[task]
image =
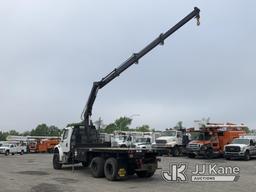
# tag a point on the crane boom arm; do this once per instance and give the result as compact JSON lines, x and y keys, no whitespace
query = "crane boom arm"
{"x":129,"y":62}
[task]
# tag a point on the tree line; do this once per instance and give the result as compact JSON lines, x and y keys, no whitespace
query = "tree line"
{"x":120,"y":124}
{"x":40,"y":130}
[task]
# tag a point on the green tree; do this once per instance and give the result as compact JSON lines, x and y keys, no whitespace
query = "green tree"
{"x":26,"y":133}
{"x":246,"y":129}
{"x":54,"y":131}
{"x":44,"y":130}
{"x":179,"y":125}
{"x":121,"y":124}
{"x":143,"y":128}
{"x":110,"y":128}
{"x":13,"y":132}
{"x":3,"y":135}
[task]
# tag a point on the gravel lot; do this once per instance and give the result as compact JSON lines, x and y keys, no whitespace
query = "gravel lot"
{"x":34,"y":173}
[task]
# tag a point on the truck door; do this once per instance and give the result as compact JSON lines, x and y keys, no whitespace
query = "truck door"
{"x":252,"y":147}
{"x":12,"y":148}
{"x":179,"y":138}
{"x":65,"y":140}
{"x":215,"y":142}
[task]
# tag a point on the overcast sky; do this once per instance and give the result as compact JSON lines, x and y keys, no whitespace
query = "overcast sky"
{"x":52,"y":51}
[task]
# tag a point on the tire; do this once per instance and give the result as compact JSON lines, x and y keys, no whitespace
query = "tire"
{"x":247,"y":156}
{"x":209,"y":153}
{"x":111,"y":169}
{"x":7,"y":153}
{"x":97,"y":167}
{"x":191,"y":155}
{"x":175,"y":152}
{"x":22,"y":152}
{"x":56,"y":161}
{"x":85,"y":164}
{"x":12,"y":153}
{"x":144,"y":174}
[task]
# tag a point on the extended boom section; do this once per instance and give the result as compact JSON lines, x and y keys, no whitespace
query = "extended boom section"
{"x":91,"y":133}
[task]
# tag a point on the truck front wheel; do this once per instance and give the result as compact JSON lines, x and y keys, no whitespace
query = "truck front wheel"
{"x":247,"y":156}
{"x":175,"y":152}
{"x":56,"y":161}
{"x":97,"y":167}
{"x":7,"y":153}
{"x":111,"y":169}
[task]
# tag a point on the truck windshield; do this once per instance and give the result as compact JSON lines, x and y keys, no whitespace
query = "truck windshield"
{"x":169,"y":133}
{"x":142,"y":140}
{"x":241,"y":141}
{"x":5,"y":145}
{"x":203,"y":136}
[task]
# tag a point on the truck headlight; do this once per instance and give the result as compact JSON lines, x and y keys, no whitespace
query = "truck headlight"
{"x":169,"y":144}
{"x":243,"y":149}
{"x":204,"y":147}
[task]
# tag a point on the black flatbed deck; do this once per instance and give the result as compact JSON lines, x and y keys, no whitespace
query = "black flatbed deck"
{"x":115,"y":150}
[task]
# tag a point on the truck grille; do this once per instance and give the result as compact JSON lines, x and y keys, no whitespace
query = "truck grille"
{"x":161,"y":141}
{"x":194,"y":146}
{"x":1,"y":150}
{"x":232,"y":149}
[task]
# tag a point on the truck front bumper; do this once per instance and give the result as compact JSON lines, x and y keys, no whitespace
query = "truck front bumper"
{"x":196,"y":152}
{"x":234,"y":154}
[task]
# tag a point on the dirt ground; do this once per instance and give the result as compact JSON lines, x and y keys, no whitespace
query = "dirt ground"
{"x":34,"y":173}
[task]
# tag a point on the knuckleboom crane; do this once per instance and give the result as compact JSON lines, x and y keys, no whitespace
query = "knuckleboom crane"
{"x":90,"y":131}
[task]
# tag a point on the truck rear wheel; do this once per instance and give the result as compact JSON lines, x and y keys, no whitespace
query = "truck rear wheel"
{"x":56,"y":161}
{"x":111,"y":169}
{"x":97,"y":167}
{"x":145,"y":174}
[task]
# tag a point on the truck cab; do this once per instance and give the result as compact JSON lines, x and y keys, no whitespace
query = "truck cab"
{"x":142,"y":142}
{"x":63,"y":148}
{"x":171,"y":141}
{"x":241,"y":148}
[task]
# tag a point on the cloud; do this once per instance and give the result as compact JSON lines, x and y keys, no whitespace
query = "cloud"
{"x":51,"y":52}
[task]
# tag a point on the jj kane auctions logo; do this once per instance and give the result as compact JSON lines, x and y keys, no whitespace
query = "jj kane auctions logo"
{"x":178,"y":172}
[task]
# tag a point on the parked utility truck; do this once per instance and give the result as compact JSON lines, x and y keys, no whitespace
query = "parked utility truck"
{"x":243,"y":147}
{"x":80,"y":142}
{"x":211,"y":139}
{"x":9,"y":148}
{"x":171,"y":142}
